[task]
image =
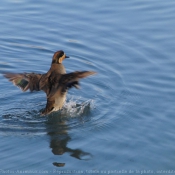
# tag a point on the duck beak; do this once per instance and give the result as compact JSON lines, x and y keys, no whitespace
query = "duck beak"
{"x":67,"y":56}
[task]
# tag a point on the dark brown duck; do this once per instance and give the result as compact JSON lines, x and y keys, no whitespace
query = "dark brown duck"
{"x":55,"y":83}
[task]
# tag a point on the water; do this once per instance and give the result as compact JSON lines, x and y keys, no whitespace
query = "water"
{"x":121,"y":119}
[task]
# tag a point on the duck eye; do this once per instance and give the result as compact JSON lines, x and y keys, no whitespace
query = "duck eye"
{"x":61,"y":55}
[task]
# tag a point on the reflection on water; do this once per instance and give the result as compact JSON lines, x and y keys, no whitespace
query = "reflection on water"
{"x":58,"y":130}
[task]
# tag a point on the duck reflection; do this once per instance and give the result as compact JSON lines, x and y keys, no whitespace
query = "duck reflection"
{"x":59,"y":138}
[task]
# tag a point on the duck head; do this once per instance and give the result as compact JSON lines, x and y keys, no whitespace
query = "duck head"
{"x":58,"y":57}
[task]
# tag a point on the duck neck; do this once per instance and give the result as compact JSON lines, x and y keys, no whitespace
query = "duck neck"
{"x":59,"y":68}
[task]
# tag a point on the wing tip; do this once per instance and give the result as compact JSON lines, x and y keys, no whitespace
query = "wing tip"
{"x":17,"y":80}
{"x":84,"y":74}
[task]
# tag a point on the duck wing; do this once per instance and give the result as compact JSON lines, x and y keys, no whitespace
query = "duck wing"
{"x":25,"y":81}
{"x":72,"y":79}
{"x":44,"y":83}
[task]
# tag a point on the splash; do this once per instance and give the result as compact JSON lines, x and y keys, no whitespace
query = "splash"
{"x":75,"y":107}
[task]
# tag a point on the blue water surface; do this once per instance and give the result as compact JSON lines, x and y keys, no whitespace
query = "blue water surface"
{"x":122,"y":120}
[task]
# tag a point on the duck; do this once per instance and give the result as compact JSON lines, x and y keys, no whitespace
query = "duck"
{"x":55,"y":83}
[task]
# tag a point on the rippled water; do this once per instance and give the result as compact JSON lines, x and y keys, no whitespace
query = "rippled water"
{"x":121,"y":118}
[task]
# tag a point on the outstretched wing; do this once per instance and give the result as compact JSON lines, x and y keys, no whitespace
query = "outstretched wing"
{"x":25,"y":81}
{"x":72,"y":79}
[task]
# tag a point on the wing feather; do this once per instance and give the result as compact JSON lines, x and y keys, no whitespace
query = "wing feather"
{"x":24,"y":81}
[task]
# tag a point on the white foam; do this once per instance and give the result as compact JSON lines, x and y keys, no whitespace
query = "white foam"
{"x":74,"y":107}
